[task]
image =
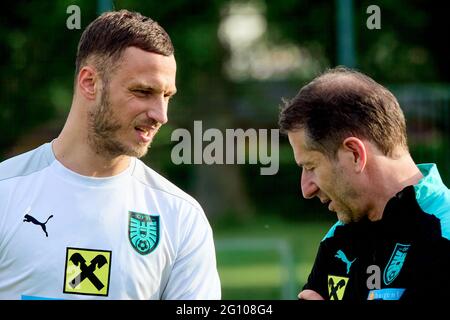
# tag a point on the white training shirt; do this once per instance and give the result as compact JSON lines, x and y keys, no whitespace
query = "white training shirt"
{"x":131,"y":236}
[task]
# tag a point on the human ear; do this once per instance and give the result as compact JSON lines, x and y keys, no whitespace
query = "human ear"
{"x":87,"y":82}
{"x":358,"y":152}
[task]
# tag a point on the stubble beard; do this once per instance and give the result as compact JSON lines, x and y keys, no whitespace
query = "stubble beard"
{"x":347,"y":195}
{"x":103,"y":132}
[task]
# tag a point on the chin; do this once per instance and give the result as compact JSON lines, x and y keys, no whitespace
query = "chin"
{"x":138,"y":152}
{"x":137,"y":149}
{"x":131,"y":150}
{"x":142,"y":149}
{"x":343,"y":217}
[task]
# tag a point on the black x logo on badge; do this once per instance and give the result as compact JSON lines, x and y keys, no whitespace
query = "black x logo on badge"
{"x":334,"y":289}
{"x":87,"y":271}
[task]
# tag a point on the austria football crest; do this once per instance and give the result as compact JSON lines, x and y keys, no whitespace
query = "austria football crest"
{"x":395,"y":264}
{"x":143,"y":232}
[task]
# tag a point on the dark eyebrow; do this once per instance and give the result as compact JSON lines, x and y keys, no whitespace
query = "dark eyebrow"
{"x":142,"y":87}
{"x":306,"y":163}
{"x":150,"y":88}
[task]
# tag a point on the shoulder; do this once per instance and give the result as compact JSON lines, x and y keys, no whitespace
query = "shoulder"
{"x":161,"y":185}
{"x":439,"y":206}
{"x":26,"y":163}
{"x":433,"y":197}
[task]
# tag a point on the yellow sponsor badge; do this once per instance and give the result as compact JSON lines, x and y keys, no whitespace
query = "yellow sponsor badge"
{"x":336,"y":287}
{"x":87,"y":271}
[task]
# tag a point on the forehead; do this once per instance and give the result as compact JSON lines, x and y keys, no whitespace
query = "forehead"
{"x":147,"y":68}
{"x":303,"y":155}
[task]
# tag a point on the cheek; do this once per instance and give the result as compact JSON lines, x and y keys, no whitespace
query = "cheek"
{"x":325,"y":178}
{"x":330,"y":183}
{"x":135,"y":108}
{"x":124,"y":102}
{"x":127,"y":110}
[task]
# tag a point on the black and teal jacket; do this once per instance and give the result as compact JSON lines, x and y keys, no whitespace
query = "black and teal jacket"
{"x":405,"y":255}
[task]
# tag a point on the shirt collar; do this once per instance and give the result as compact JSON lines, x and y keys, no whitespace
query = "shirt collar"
{"x":430,"y":185}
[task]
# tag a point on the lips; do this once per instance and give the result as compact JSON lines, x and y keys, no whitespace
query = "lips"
{"x":327,"y":202}
{"x":144,"y":130}
{"x":144,"y":133}
{"x":329,"y":206}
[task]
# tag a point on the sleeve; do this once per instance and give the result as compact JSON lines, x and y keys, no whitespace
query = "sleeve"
{"x":5,"y":195}
{"x":431,"y":277}
{"x":317,"y":279}
{"x":194,"y":274}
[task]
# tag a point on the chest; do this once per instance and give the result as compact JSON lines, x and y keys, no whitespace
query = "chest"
{"x":86,"y":243}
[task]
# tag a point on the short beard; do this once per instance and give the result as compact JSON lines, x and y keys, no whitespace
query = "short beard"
{"x":103,"y":127}
{"x":346,"y":192}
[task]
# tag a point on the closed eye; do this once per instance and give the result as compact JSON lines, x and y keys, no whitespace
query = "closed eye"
{"x":146,"y":92}
{"x":169,"y":95}
{"x":306,"y":168}
{"x":142,"y":92}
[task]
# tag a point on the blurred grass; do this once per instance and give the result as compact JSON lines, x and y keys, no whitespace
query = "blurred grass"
{"x":252,"y":275}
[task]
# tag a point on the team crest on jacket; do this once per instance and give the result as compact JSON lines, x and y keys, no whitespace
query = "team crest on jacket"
{"x":395,"y":264}
{"x":143,"y":232}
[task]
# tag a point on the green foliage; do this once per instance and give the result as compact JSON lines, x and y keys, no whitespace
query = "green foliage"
{"x":36,"y":73}
{"x":436,"y":152}
{"x":37,"y":64}
{"x":259,"y":274}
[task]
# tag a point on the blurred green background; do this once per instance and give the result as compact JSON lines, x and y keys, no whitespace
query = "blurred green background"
{"x":236,"y":60}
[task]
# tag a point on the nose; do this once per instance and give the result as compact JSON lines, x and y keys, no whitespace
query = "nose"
{"x":158,"y":110}
{"x":309,"y":188}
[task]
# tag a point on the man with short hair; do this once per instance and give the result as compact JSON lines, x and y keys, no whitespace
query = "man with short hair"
{"x":348,"y":135}
{"x":82,"y":217}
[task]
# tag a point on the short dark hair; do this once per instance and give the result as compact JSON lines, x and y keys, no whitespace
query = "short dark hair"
{"x":342,"y":102}
{"x":111,"y":33}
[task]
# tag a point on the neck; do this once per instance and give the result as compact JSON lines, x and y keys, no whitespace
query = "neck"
{"x":388,"y":178}
{"x":74,"y":151}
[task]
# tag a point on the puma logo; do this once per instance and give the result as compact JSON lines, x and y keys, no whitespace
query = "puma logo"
{"x":33,"y":220}
{"x":341,"y":255}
